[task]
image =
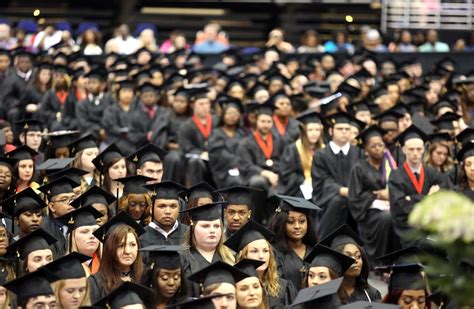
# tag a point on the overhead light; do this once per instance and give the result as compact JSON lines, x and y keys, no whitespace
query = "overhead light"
{"x":36,"y":12}
{"x":182,"y":11}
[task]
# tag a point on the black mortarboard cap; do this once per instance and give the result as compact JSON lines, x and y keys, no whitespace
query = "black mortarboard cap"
{"x":37,"y":240}
{"x":121,"y":218}
{"x":22,"y":153}
{"x":134,"y":184}
{"x":339,"y":117}
{"x":127,"y":294}
{"x":200,"y":190}
{"x":408,"y":255}
{"x":217,"y":272}
{"x":360,"y":125}
{"x":26,"y":200}
{"x":445,"y":122}
{"x":164,"y":257}
{"x":8,"y":162}
{"x":323,"y":256}
{"x":54,"y":165}
{"x":309,"y":116}
{"x":69,"y":266}
{"x":348,"y":89}
{"x":389,"y":115}
{"x":440,"y":104}
{"x":72,"y":173}
{"x":402,"y":108}
{"x":148,"y":87}
{"x":59,"y":186}
{"x":208,"y":212}
{"x":85,"y":142}
{"x":466,"y":136}
{"x":368,"y":305}
{"x":149,"y":152}
{"x":249,"y":267}
{"x":84,"y":216}
{"x":29,"y":125}
{"x":343,"y":235}
{"x":440,"y":137}
{"x":371,"y":131}
{"x":411,"y":133}
{"x":126,"y":84}
{"x":32,"y":285}
{"x":257,"y":87}
{"x":248,"y":233}
{"x":266,"y":108}
{"x":466,"y":151}
{"x":322,"y":296}
{"x":292,"y":203}
{"x":239,"y":195}
{"x":107,"y":156}
{"x":406,"y":277}
{"x":167,"y":190}
{"x":92,"y":196}
{"x":97,"y":73}
{"x":231,"y":102}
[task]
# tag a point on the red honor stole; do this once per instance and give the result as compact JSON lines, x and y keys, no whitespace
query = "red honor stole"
{"x":418,"y":184}
{"x":267,"y":148}
{"x":204,"y":129}
{"x":281,"y":126}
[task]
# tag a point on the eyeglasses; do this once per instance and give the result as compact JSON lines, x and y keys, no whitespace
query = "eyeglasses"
{"x":65,"y":200}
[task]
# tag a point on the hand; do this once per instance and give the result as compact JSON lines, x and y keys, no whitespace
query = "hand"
{"x":434,"y":189}
{"x":205,"y":155}
{"x":344,"y":191}
{"x":381,"y":194}
{"x":102,"y":135}
{"x":271,"y":177}
{"x":31,"y":108}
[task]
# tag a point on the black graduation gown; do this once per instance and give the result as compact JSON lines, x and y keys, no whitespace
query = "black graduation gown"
{"x":52,"y":226}
{"x":49,"y":107}
{"x":291,"y":174}
{"x":96,"y":287}
{"x":141,"y":123}
{"x":368,"y":293}
{"x":375,"y":226}
{"x":89,"y":115}
{"x":193,"y":261}
{"x":469,"y":193}
{"x":13,"y":89}
{"x":153,"y":237}
{"x":403,"y":196}
{"x":330,"y":172}
{"x":251,"y":157}
{"x":291,"y":266}
{"x":114,"y":120}
{"x":30,"y":96}
{"x":68,"y":112}
{"x":292,"y":131}
{"x":285,"y":298}
{"x":190,"y":138}
{"x":222,"y":158}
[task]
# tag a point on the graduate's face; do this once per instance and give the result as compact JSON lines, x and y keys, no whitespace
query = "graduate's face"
{"x":375,"y":147}
{"x":25,"y":170}
{"x":41,"y":302}
{"x":392,"y":131}
{"x":152,"y":170}
{"x":5,"y":177}
{"x":86,"y":242}
{"x":103,"y":210}
{"x":469,"y":168}
{"x":180,"y":104}
{"x":30,"y":221}
{"x":364,"y":116}
{"x":38,"y":258}
{"x":249,"y":293}
{"x":318,"y":275}
{"x":8,"y":135}
{"x":261,"y":96}
{"x":62,"y":153}
{"x":354,"y":133}
{"x":225,"y":302}
{"x":296,"y":225}
{"x":3,"y":295}
{"x":404,"y":122}
{"x":127,"y":250}
{"x":125,"y":95}
{"x":231,"y":116}
{"x":202,"y":107}
{"x":264,"y":124}
{"x":412,"y":299}
{"x":94,"y":86}
{"x":341,"y":133}
{"x":72,"y":293}
{"x":236,"y":216}
{"x":207,"y":234}
{"x":413,"y":150}
{"x":4,"y":242}
{"x":439,"y":155}
{"x":237,"y":92}
{"x":168,"y":282}
{"x":149,"y":98}
{"x":137,"y":205}
{"x":166,"y":212}
{"x":283,"y":107}
{"x":259,"y":250}
{"x":87,"y":156}
{"x":60,"y":204}
{"x":352,"y":251}
{"x":118,"y":170}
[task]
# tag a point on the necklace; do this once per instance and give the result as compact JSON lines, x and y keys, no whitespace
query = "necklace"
{"x":125,"y":274}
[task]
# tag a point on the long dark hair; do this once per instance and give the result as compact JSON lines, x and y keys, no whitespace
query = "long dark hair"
{"x":362,"y":279}
{"x":393,"y":297}
{"x":278,"y":226}
{"x":107,"y":181}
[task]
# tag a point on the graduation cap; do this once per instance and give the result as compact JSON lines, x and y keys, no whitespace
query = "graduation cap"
{"x":8,"y":162}
{"x":316,"y":91}
{"x":164,"y":257}
{"x":309,"y":116}
{"x":389,"y":115}
{"x":466,"y":136}
{"x":322,"y":296}
{"x":59,"y":186}
{"x":371,"y":131}
{"x":466,"y":151}
{"x":167,"y":190}
{"x":54,"y":165}
{"x":360,"y":125}
{"x":127,"y":294}
{"x":408,"y":255}
{"x":32,"y":285}
{"x":200,"y":190}
{"x":107,"y":156}
{"x":149,"y":152}
{"x":148,"y":87}
{"x":72,"y":173}
{"x":45,"y":66}
{"x":445,"y":122}
{"x":231,"y":102}
{"x":94,"y":195}
{"x":120,"y":219}
{"x":37,"y":240}
{"x":406,"y":277}
{"x":62,"y":69}
{"x":443,"y":103}
{"x":349,"y":88}
{"x":69,"y":266}
{"x":85,"y":142}
{"x":83,"y":216}
{"x":249,"y":267}
{"x":22,"y":153}
{"x":411,"y":133}
{"x":248,"y":233}
{"x":26,"y":200}
{"x":343,"y":235}
{"x":198,"y":92}
{"x":440,"y":137}
{"x":338,"y":118}
{"x":216,"y":273}
{"x":368,"y":305}
{"x":238,"y":195}
{"x":134,"y":184}
{"x":208,"y":212}
{"x":97,"y":73}
{"x":326,"y":257}
{"x":292,"y":203}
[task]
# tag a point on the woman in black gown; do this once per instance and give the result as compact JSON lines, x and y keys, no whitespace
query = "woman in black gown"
{"x":465,"y":181}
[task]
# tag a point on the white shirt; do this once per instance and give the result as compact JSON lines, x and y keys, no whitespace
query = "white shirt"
{"x":336,"y":149}
{"x":155,"y":226}
{"x":49,"y":40}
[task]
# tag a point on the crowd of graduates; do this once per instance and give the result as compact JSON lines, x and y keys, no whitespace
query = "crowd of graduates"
{"x":262,"y":180}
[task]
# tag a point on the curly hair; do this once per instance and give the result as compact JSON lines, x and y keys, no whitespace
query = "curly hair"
{"x":146,"y":217}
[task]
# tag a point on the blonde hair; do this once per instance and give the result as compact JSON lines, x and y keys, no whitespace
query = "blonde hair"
{"x":264,"y":304}
{"x":448,"y":163}
{"x":224,"y":252}
{"x":77,"y":163}
{"x":73,"y":248}
{"x":270,"y":278}
{"x":146,"y":217}
{"x":58,"y":285}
